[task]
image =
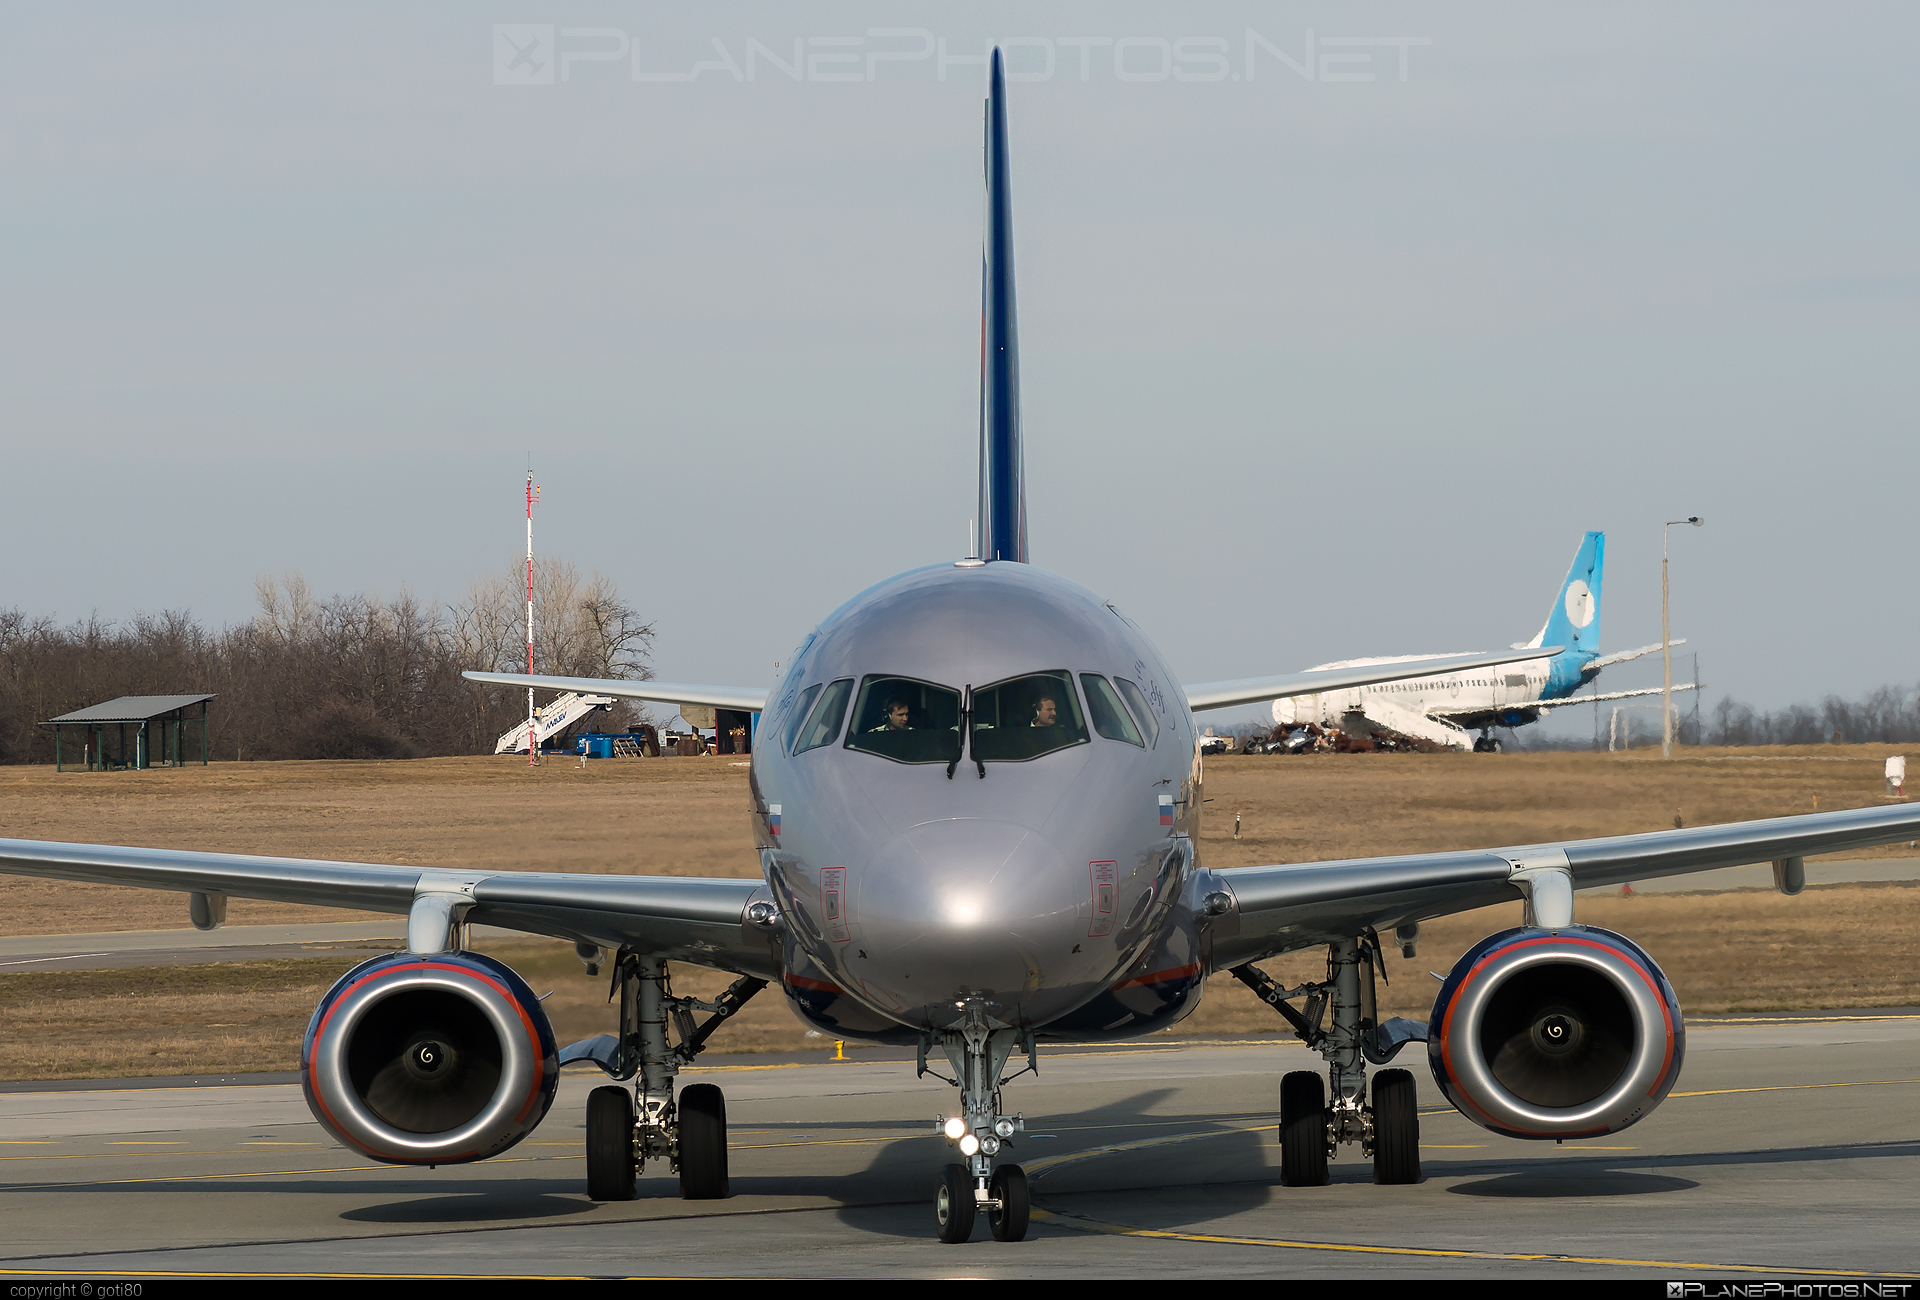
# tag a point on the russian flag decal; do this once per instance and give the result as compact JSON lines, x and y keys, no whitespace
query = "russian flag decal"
{"x":1166,"y":810}
{"x":773,"y":820}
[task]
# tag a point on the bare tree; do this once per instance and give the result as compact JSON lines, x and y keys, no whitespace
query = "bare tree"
{"x":348,"y":677}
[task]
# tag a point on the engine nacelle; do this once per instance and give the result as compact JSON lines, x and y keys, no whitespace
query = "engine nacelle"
{"x":434,"y":1059}
{"x":1556,"y":1033}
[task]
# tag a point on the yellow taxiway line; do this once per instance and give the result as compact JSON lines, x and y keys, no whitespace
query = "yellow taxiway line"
{"x":1355,"y":1248}
{"x":1039,"y":1168}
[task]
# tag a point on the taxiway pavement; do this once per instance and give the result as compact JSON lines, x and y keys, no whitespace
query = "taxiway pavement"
{"x":1790,"y":1148}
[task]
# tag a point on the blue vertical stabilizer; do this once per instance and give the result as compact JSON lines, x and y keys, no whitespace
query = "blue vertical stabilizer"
{"x":1003,"y":480}
{"x":1574,"y":620}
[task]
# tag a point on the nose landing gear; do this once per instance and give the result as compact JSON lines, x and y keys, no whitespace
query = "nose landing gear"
{"x":978,"y":1051}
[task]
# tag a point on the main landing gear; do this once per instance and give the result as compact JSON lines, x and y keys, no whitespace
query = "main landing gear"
{"x":1487,"y":742}
{"x":1312,"y":1125}
{"x":626,"y":1128}
{"x":978,"y":1051}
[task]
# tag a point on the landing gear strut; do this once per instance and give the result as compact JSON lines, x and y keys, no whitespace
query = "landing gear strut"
{"x":626,"y":1129}
{"x":978,"y":1051}
{"x":1315,"y":1118}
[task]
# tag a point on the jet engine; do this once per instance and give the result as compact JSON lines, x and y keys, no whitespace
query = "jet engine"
{"x":429,"y":1059}
{"x":1556,"y":1033}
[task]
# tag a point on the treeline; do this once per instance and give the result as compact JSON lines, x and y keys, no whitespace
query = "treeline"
{"x":344,"y":677}
{"x":1887,"y":715}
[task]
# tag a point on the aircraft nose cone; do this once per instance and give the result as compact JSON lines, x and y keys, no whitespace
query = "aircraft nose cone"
{"x":972,"y":908}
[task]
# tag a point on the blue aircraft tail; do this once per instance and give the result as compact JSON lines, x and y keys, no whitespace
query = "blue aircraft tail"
{"x":1574,"y":620}
{"x":1003,"y":479}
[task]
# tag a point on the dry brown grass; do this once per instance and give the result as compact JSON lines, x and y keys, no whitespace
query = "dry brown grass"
{"x":1308,"y":808}
{"x":246,"y":1017}
{"x":679,"y":817}
{"x":1843,"y":946}
{"x":688,"y":816}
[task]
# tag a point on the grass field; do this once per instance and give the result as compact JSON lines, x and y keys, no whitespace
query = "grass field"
{"x":1842,"y":946}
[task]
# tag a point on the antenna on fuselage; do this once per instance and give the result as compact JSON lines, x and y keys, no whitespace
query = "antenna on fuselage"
{"x":1003,"y":480}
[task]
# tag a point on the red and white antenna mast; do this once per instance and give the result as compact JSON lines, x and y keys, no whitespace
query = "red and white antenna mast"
{"x":533,"y":737}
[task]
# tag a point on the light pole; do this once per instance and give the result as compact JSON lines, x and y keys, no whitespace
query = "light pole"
{"x":1666,"y":645}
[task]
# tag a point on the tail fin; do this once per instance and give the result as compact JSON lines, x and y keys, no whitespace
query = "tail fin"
{"x":1574,"y":620}
{"x":1003,"y":478}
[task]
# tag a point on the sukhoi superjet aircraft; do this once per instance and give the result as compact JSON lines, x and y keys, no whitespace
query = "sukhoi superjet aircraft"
{"x":977,"y":798}
{"x":1445,"y":708}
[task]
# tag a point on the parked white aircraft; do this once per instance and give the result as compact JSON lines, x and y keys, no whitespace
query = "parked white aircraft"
{"x":1445,"y":708}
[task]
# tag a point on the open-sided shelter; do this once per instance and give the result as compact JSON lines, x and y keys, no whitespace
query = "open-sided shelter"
{"x":146,"y":714}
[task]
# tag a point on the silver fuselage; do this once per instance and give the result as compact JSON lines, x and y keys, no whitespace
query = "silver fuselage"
{"x":950,"y":888}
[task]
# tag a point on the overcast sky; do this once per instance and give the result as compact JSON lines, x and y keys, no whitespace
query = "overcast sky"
{"x":1325,"y":355}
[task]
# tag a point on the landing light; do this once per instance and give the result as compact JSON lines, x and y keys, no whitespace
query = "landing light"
{"x":954,"y":1127}
{"x":990,"y":1144}
{"x":969,"y":1144}
{"x":1003,"y":1126}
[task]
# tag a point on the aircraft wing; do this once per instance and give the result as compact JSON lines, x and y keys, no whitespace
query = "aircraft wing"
{"x":1622,"y":656}
{"x":743,"y":699}
{"x":1254,"y":690}
{"x":1562,"y":703}
{"x":682,"y":918}
{"x":1281,"y":908}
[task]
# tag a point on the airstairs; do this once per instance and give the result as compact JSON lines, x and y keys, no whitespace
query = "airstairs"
{"x":1387,"y":715}
{"x":551,"y":720}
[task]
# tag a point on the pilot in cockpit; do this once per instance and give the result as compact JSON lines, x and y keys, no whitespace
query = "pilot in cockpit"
{"x":1046,"y":713}
{"x":897,"y":714}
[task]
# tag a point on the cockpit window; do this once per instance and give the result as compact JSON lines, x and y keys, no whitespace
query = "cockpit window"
{"x":1026,"y":717}
{"x":1109,"y":715}
{"x":823,"y":724}
{"x":799,"y":715}
{"x":1142,"y":711}
{"x":907,"y":721}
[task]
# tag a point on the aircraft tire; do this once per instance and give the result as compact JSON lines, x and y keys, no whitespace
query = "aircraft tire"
{"x":1493,"y":746}
{"x":610,"y":1171}
{"x":703,"y":1143}
{"x":1396,"y":1128}
{"x":1303,"y":1130}
{"x":1009,"y":1218}
{"x":953,"y":1204}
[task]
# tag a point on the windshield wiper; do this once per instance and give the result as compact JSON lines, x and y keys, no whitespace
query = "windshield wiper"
{"x":966,"y":735}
